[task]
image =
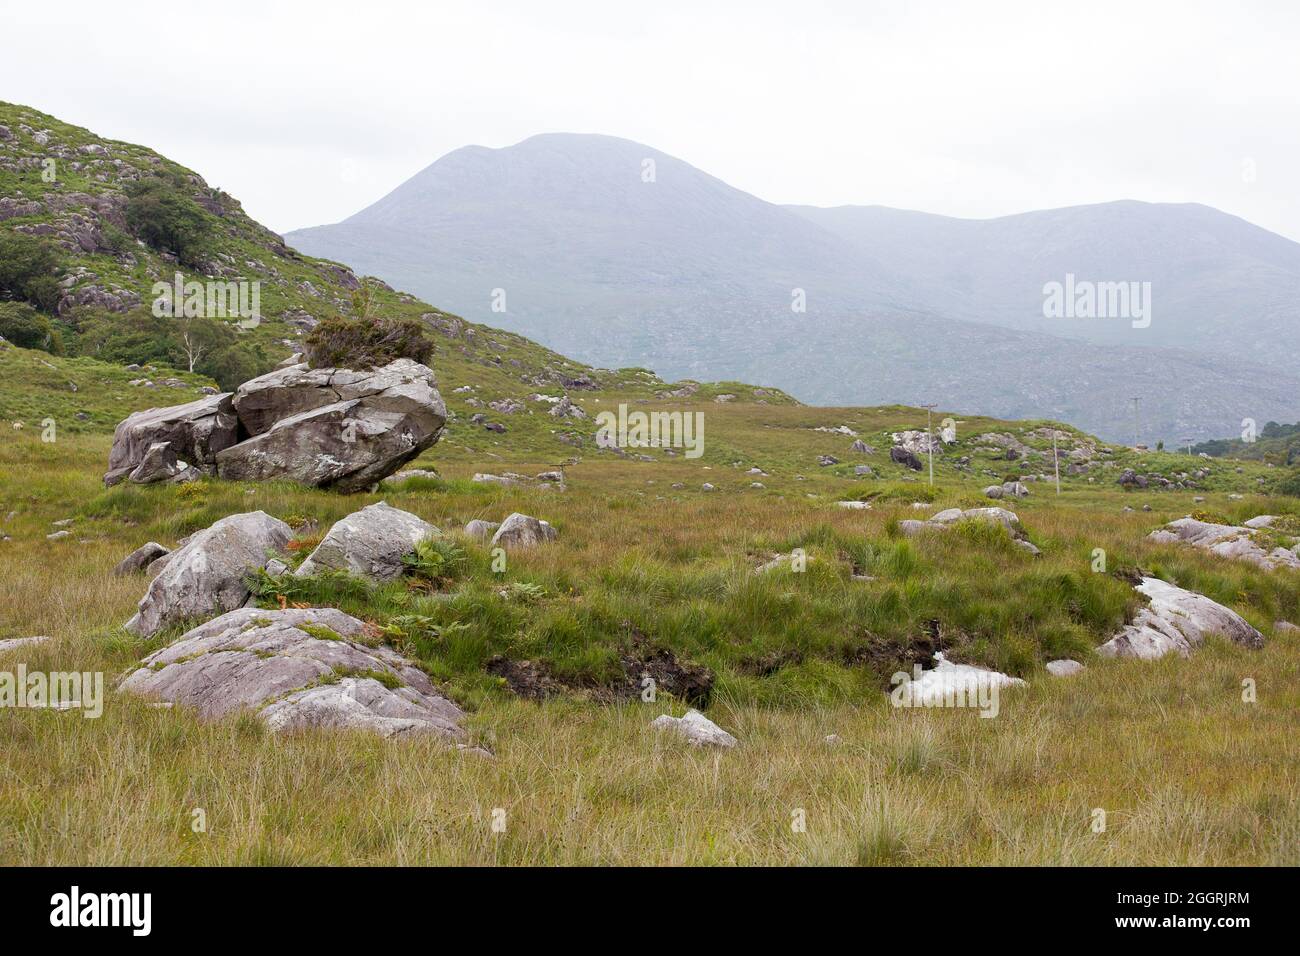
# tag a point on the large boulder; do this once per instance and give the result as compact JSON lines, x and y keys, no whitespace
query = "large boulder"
{"x":206,"y":575}
{"x":1242,"y":543}
{"x":902,"y":456}
{"x":1176,"y":621}
{"x":370,"y":542}
{"x":194,"y":433}
{"x":296,"y":669}
{"x":334,"y":428}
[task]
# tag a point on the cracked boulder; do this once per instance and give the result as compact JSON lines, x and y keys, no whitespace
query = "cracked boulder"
{"x":1175,"y":621}
{"x":194,"y":432}
{"x":334,"y":428}
{"x":206,"y":575}
{"x":371,"y":542}
{"x":296,"y":669}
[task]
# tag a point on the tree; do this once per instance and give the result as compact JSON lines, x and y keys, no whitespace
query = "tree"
{"x":25,"y":327}
{"x":159,"y":212}
{"x":29,"y":271}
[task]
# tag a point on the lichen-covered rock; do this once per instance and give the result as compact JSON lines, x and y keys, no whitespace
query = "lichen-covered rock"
{"x":195,"y":432}
{"x":296,"y":669}
{"x":371,"y":542}
{"x":1176,"y":621}
{"x":206,"y":575}
{"x":388,"y":417}
{"x":481,"y":530}
{"x":1064,"y":668}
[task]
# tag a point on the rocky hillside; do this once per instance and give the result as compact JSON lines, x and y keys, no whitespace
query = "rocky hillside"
{"x":68,"y":194}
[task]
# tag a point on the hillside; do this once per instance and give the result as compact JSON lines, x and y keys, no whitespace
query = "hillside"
{"x":781,"y":581}
{"x":690,"y":276}
{"x":105,"y":277}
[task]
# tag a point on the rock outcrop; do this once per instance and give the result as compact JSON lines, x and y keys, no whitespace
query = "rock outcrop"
{"x":296,"y":669}
{"x":1239,"y":542}
{"x":371,"y":542}
{"x":205,"y":576}
{"x":1176,"y":621}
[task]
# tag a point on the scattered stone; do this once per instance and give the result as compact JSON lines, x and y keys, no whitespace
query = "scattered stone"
{"x":58,"y":536}
{"x":948,"y":681}
{"x":205,"y":576}
{"x":522,"y":531}
{"x":902,"y":456}
{"x":855,"y":505}
{"x":1227,"y":541}
{"x":371,"y":542}
{"x":1176,"y":621}
{"x":402,"y":476}
{"x":696,"y":729}
{"x":827,"y":460}
{"x":1064,"y":668}
{"x":296,"y":669}
{"x":13,"y":643}
{"x":1285,"y":627}
{"x":481,"y":530}
{"x":140,"y":558}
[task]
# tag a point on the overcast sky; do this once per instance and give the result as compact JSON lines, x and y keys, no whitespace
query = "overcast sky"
{"x":309,"y":111}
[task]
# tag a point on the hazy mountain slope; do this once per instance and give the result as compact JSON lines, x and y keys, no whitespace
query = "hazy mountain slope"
{"x":1218,"y":283}
{"x":688,"y":275}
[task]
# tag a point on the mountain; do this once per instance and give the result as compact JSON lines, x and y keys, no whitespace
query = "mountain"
{"x":98,"y":278}
{"x":1218,"y":283}
{"x":681,"y":272}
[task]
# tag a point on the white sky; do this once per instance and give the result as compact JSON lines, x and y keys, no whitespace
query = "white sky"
{"x":309,"y":111}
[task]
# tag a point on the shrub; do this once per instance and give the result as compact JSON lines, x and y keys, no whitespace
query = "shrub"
{"x":351,"y":343}
{"x":1290,"y":485}
{"x":164,"y":216}
{"x":25,"y":327}
{"x":29,"y":271}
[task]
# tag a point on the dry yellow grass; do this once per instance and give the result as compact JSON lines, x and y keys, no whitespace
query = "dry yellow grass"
{"x":1185,"y":770}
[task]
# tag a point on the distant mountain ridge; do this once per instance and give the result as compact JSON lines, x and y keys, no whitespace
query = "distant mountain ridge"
{"x":566,"y":239}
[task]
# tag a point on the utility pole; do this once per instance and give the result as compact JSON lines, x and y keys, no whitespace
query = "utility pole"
{"x":1056,"y":462}
{"x":1135,"y":421}
{"x":1188,"y":443}
{"x":929,"y":437}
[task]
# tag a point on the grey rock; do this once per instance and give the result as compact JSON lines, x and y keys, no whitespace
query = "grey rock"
{"x":1064,"y":668}
{"x":902,"y":456}
{"x":206,"y":575}
{"x":696,"y":729}
{"x":390,"y":416}
{"x":158,"y":464}
{"x":994,"y":491}
{"x":196,"y":431}
{"x":1226,"y":541}
{"x":1176,"y":621}
{"x":522,"y":531}
{"x":481,"y":530}
{"x":371,"y":542}
{"x":265,"y":661}
{"x":140,"y":558}
{"x":14,"y":643}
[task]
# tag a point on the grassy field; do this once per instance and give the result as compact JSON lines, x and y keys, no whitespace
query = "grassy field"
{"x":1184,"y":769}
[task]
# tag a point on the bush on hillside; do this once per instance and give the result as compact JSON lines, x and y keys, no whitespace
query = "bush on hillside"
{"x":23,"y":326}
{"x":1290,"y":485}
{"x":159,"y":212}
{"x":29,"y":271}
{"x":353,"y":343}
